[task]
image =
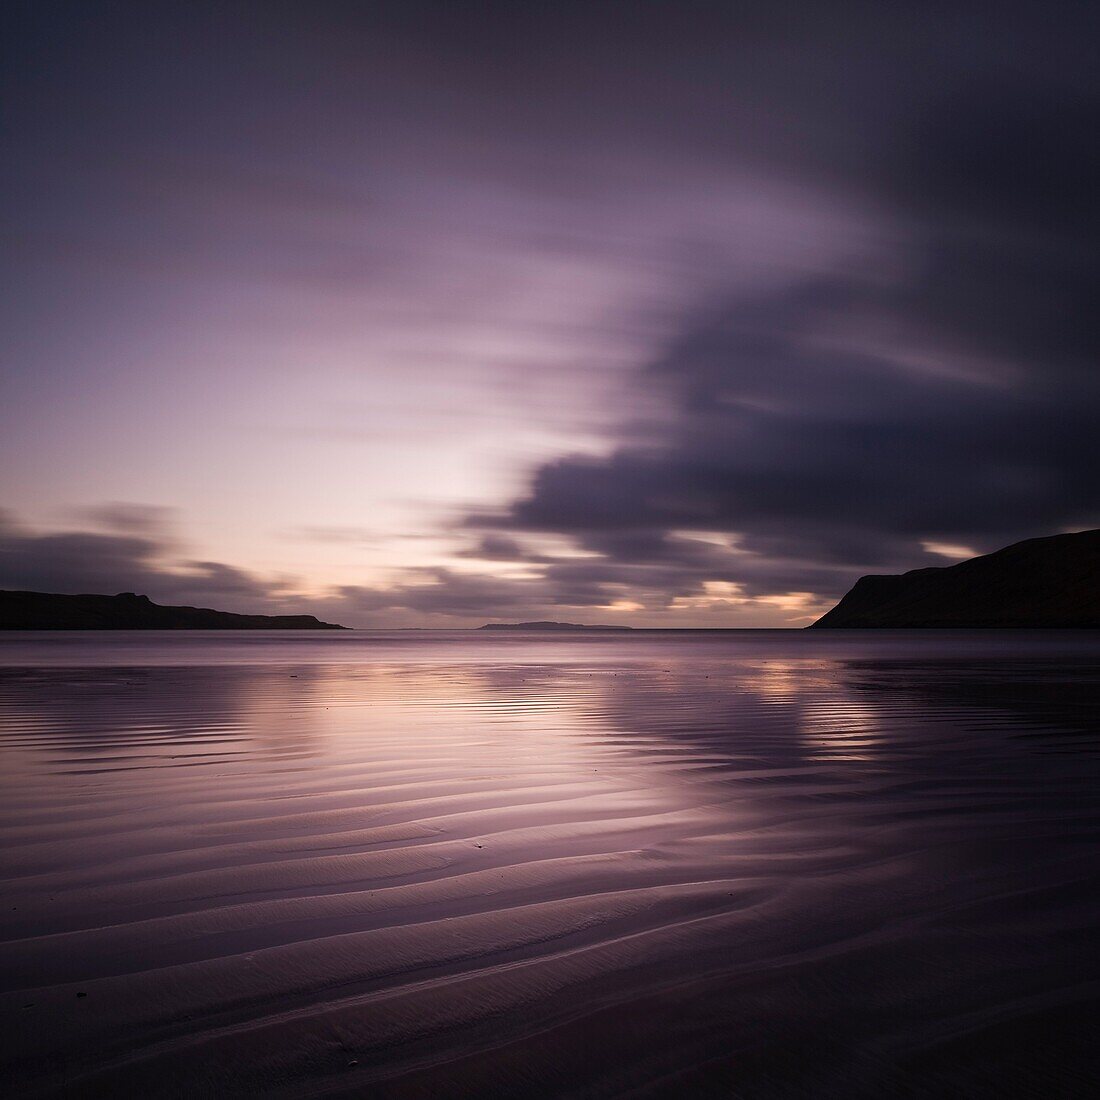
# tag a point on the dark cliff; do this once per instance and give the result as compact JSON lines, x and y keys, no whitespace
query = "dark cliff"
{"x":126,"y":611}
{"x":1046,"y":582}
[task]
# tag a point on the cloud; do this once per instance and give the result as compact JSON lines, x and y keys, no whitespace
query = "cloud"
{"x":76,"y":561}
{"x":149,"y":562}
{"x":860,"y":421}
{"x":140,"y":557}
{"x":760,"y":297}
{"x":152,"y":520}
{"x":495,"y":547}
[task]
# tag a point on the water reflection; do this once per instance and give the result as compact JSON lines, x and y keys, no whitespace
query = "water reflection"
{"x":729,"y":865}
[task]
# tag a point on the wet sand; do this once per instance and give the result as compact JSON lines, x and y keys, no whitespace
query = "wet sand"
{"x":759,"y":864}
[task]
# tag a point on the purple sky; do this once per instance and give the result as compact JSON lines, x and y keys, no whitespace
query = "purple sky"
{"x":428,"y":314}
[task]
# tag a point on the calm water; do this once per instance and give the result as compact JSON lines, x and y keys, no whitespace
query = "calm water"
{"x":757,"y":864}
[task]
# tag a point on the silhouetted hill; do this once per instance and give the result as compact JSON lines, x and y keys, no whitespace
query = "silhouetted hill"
{"x":1047,"y":582}
{"x":126,"y":611}
{"x":547,"y":625}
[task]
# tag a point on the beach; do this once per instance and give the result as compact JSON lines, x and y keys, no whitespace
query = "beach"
{"x":427,"y":863}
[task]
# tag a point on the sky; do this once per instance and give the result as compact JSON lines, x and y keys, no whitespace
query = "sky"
{"x":432,"y":314}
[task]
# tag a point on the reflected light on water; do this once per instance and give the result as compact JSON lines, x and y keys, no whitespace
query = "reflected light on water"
{"x":448,"y":865}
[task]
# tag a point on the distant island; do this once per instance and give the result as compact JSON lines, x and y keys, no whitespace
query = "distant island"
{"x":1045,"y":582}
{"x":547,"y":625}
{"x":127,"y":611}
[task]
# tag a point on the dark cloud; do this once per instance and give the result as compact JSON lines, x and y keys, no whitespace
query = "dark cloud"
{"x":444,"y":592}
{"x":495,"y":547}
{"x":836,"y":425}
{"x":149,"y":563}
{"x":71,"y":561}
{"x":91,"y":561}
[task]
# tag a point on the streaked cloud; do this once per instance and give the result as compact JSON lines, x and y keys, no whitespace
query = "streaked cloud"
{"x":687,"y":317}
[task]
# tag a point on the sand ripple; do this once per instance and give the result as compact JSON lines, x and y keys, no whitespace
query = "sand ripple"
{"x":640,"y":866}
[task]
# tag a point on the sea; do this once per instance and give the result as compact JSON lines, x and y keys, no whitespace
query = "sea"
{"x":749,"y":864}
